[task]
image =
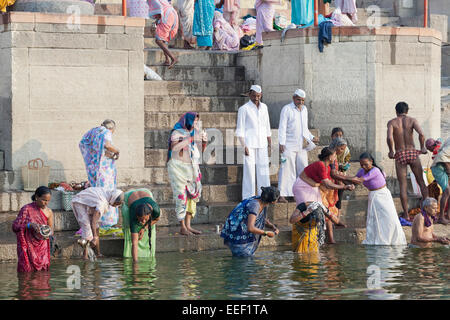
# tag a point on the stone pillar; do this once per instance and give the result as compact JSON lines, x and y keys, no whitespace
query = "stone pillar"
{"x":54,"y":6}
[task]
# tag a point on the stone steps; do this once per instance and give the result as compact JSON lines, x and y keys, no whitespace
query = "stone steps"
{"x":192,"y":57}
{"x":200,"y":104}
{"x":166,"y":120}
{"x":183,"y":73}
{"x":196,"y":88}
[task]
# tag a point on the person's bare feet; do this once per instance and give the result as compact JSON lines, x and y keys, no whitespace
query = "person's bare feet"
{"x":406,"y":217}
{"x":187,"y":45}
{"x":166,"y":63}
{"x":443,"y":221}
{"x":282,"y":200}
{"x":331,"y":242}
{"x":185,"y":232}
{"x":340,"y":225}
{"x":174,"y":61}
{"x":194,"y":231}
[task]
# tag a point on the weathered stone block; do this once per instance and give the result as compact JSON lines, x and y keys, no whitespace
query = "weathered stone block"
{"x":5,"y":202}
{"x":124,"y":42}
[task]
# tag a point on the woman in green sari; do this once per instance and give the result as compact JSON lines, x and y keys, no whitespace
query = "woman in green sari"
{"x":140,"y":214}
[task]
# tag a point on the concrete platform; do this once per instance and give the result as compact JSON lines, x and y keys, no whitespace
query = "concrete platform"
{"x":198,"y":103}
{"x":183,"y":73}
{"x":192,"y":57}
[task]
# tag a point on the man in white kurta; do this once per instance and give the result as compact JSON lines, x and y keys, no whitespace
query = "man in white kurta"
{"x":292,"y":131}
{"x":253,"y":131}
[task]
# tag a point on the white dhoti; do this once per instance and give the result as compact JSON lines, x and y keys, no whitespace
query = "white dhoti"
{"x":258,"y":159}
{"x":383,"y":226}
{"x":296,"y":161}
{"x":186,"y":13}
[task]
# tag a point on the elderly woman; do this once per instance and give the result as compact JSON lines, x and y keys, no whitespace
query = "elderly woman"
{"x":183,"y":167}
{"x":100,"y":157}
{"x":318,"y":174}
{"x":225,"y":37}
{"x":383,"y":226}
{"x":33,"y":226}
{"x":140,"y":214}
{"x":340,"y":166}
{"x":245,"y":225}
{"x":88,"y":207}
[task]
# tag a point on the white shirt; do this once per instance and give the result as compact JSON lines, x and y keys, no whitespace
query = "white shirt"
{"x":253,"y":125}
{"x":293,"y":127}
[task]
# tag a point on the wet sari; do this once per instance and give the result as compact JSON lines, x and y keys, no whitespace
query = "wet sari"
{"x":33,"y":253}
{"x":308,"y":234}
{"x":147,"y":245}
{"x":185,"y":177}
{"x":235,"y":232}
{"x":101,"y":170}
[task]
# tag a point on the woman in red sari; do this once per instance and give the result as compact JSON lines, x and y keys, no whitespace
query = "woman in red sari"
{"x":33,"y":249}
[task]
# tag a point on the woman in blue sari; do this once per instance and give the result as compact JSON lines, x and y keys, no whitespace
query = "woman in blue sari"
{"x":245,"y":224}
{"x":99,"y":157}
{"x":203,"y":22}
{"x":302,"y":12}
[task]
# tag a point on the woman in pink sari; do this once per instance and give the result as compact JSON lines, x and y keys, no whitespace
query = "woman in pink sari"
{"x":225,"y":37}
{"x":33,"y":248}
{"x":166,"y":26}
{"x":264,"y":17}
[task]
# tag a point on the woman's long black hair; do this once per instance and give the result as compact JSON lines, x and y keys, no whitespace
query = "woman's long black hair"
{"x":142,"y":210}
{"x":367,"y":155}
{"x":42,"y":190}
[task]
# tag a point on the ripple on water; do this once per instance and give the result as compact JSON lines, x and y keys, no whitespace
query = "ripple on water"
{"x":337,"y":272}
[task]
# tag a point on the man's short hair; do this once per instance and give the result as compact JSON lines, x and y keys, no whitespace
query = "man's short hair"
{"x":428,"y":202}
{"x":109,"y":124}
{"x":401,"y":107}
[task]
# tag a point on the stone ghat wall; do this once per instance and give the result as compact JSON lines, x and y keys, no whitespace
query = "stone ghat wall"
{"x":59,"y":78}
{"x":356,"y":82}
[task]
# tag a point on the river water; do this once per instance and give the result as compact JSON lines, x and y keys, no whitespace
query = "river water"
{"x":338,"y":272}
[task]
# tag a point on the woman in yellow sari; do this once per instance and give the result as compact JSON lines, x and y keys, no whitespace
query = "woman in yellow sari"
{"x":5,"y":3}
{"x":308,"y":227}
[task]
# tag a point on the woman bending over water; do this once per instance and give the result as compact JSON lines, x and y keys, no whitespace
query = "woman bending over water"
{"x":245,"y":224}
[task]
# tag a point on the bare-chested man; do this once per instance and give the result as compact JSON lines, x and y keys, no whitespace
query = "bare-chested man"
{"x":422,"y":228}
{"x":400,"y":132}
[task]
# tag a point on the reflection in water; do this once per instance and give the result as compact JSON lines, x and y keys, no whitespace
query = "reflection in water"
{"x":33,"y":285}
{"x":337,"y":272}
{"x":384,"y":263}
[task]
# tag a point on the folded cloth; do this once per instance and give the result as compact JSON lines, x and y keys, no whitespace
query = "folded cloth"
{"x":404,"y":222}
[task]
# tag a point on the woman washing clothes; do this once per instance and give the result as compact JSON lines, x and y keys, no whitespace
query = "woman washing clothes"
{"x":88,"y":207}
{"x":140,"y":214}
{"x":33,"y":226}
{"x":315,"y":184}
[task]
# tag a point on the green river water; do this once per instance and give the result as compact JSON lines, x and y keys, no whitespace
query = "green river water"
{"x":338,"y":272}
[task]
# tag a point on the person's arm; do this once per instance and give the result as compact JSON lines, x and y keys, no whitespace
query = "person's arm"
{"x":50,"y":220}
{"x":269,"y":133}
{"x":308,"y":180}
{"x":273,"y":226}
{"x":418,"y":128}
{"x":310,"y":136}
{"x":330,"y":185}
{"x":240,"y":129}
{"x":297,"y":215}
{"x":251,"y":227}
{"x":134,"y":245}
{"x":390,"y":140}
{"x":282,"y":126}
{"x":111,"y":148}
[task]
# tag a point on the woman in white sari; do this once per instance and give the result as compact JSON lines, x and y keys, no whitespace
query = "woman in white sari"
{"x":383,"y":226}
